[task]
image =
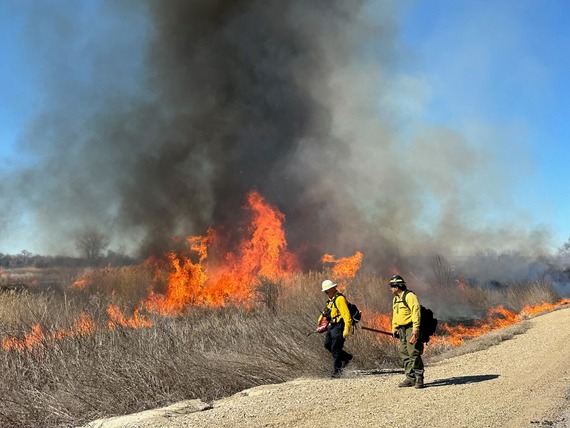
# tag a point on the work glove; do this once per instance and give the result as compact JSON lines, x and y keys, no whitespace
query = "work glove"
{"x":396,"y":334}
{"x":346,"y":333}
{"x":415,"y":336}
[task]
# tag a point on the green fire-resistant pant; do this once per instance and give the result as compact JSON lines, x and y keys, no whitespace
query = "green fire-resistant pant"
{"x":411,"y":354}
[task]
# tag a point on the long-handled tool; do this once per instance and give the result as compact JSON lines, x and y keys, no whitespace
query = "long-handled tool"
{"x":375,"y":330}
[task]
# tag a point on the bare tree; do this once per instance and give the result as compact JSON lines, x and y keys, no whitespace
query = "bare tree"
{"x":442,"y":271}
{"x":269,"y":291}
{"x":91,"y":244}
{"x":564,"y":255}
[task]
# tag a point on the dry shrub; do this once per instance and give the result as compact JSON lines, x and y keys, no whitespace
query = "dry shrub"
{"x":128,"y":284}
{"x":269,"y":291}
{"x":475,"y":297}
{"x":22,"y":310}
{"x":37,"y":280}
{"x":519,"y":295}
{"x":204,"y":354}
{"x":370,"y":292}
{"x":13,"y":305}
{"x":443,"y":275}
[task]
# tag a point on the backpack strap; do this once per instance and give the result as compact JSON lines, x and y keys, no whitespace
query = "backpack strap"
{"x":407,"y":306}
{"x":335,"y":297}
{"x":404,"y":298}
{"x":334,"y":303}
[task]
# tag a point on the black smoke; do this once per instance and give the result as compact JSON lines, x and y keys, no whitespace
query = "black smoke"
{"x":235,"y":80}
{"x":158,"y":117}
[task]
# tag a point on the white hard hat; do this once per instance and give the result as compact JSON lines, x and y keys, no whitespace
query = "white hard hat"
{"x":328,"y":284}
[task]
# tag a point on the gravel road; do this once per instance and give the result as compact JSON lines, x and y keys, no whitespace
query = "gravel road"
{"x":521,"y":382}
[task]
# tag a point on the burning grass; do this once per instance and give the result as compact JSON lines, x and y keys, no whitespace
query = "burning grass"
{"x":67,"y":359}
{"x":55,"y":379}
{"x":208,"y":322}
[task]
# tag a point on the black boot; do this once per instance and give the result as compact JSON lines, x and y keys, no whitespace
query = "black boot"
{"x":336,"y":373}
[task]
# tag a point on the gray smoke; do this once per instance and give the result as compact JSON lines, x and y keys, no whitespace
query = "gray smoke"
{"x":177,"y":109}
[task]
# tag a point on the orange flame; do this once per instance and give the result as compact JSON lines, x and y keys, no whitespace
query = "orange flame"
{"x":380,"y":322}
{"x":213,"y":282}
{"x":542,"y":307}
{"x":345,"y":267}
{"x":266,"y":254}
{"x":455,"y":335}
{"x":185,"y":282}
{"x":37,"y":338}
{"x":496,"y":318}
{"x":117,"y":318}
{"x":80,"y":284}
{"x":31,"y":339}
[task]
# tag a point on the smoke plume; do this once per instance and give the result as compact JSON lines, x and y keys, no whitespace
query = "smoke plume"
{"x":176,"y":109}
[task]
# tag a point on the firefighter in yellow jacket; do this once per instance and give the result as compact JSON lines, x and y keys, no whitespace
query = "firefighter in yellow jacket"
{"x":338,"y":316}
{"x":406,"y":326}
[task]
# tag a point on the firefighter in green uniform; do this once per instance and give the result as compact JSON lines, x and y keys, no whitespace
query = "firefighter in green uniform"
{"x":406,"y":327}
{"x":340,"y":324}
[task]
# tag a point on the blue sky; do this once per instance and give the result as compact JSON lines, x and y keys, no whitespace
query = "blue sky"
{"x":494,"y":72}
{"x":503,"y":66}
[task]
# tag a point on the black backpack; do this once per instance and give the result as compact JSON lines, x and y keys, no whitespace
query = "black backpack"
{"x":428,"y":323}
{"x":355,"y":313}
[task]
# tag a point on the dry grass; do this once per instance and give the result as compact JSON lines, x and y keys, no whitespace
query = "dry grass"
{"x":204,"y":353}
{"x":519,"y":295}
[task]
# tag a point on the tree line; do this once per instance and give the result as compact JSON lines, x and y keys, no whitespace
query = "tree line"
{"x":92,"y":251}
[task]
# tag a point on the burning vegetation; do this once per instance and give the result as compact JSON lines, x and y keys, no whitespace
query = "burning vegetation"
{"x":234,"y":306}
{"x":236,"y":95}
{"x":208,"y":274}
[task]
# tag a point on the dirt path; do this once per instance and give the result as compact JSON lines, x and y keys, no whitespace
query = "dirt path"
{"x":521,"y":382}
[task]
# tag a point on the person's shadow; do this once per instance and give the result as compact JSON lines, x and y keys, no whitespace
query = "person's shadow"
{"x":461,"y":380}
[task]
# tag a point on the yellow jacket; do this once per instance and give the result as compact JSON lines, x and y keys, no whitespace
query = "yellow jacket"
{"x":339,"y":311}
{"x":404,"y":315}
